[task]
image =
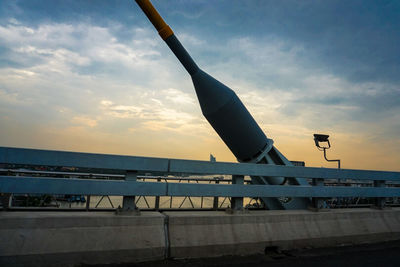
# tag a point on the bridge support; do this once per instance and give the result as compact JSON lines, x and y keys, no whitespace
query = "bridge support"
{"x":237,"y":202}
{"x":157,"y":200}
{"x":216,"y":200}
{"x":128,"y":202}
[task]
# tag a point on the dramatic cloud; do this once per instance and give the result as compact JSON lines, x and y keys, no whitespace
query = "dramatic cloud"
{"x":96,"y":77}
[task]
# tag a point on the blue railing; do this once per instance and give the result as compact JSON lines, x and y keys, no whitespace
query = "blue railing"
{"x":385,"y":184}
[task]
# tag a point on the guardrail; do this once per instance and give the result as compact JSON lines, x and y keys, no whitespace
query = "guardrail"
{"x":131,"y":167}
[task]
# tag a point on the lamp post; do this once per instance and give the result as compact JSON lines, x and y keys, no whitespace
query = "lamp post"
{"x":324,"y":138}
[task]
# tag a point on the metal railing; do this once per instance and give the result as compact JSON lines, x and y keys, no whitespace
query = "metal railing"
{"x":72,"y":173}
{"x":107,"y":202}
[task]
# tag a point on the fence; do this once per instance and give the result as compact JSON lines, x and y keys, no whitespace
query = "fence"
{"x":116,"y":175}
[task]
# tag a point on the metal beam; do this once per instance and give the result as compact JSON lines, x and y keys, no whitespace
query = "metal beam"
{"x":177,"y":166}
{"x":278,"y":191}
{"x":34,"y":185}
{"x":56,"y":186}
{"x":204,"y":167}
{"x":25,"y":156}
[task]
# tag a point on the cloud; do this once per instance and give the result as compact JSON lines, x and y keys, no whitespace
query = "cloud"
{"x":76,"y":44}
{"x":178,"y":97}
{"x":80,"y":120}
{"x":170,"y":110}
{"x":101,"y":76}
{"x":53,"y":64}
{"x":190,"y":39}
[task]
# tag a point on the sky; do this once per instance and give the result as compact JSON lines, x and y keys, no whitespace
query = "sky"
{"x":94,"y":76}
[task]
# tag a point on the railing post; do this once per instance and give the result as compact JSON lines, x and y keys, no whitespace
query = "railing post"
{"x":157,"y":202}
{"x":128,"y":202}
{"x":237,"y":202}
{"x":380,"y":201}
{"x":87,"y":202}
{"x":215,"y":202}
{"x":317,"y":202}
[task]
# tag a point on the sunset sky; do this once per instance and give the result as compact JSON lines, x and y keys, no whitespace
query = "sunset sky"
{"x":94,"y":76}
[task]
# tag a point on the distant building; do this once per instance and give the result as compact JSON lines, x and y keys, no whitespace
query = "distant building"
{"x":212,"y":158}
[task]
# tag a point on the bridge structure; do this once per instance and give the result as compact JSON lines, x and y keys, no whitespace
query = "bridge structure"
{"x":128,"y":234}
{"x":126,"y":176}
{"x":292,"y":215}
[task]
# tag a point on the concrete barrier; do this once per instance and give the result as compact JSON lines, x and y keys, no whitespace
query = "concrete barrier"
{"x":207,"y":234}
{"x":70,"y":238}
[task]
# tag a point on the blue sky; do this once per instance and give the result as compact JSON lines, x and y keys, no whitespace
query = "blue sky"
{"x":94,"y":76}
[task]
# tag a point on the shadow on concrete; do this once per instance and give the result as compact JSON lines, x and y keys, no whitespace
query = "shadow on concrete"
{"x":381,"y":254}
